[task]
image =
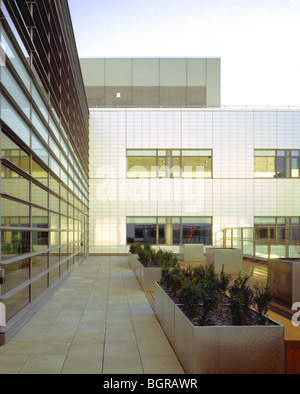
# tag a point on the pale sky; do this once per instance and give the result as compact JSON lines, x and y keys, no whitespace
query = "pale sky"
{"x":257,"y":40}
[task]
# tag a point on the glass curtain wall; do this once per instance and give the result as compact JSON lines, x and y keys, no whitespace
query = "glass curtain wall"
{"x":169,"y":230}
{"x":276,"y":163}
{"x":44,"y":189}
{"x":169,"y":163}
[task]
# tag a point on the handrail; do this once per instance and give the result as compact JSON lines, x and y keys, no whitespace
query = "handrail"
{"x":265,"y":241}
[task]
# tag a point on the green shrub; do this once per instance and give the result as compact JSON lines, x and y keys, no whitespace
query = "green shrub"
{"x":241,"y":299}
{"x":208,"y":294}
{"x":189,"y":295}
{"x":145,"y":254}
{"x":223,"y":282}
{"x":134,"y":248}
{"x":168,"y":264}
{"x":263,"y":296}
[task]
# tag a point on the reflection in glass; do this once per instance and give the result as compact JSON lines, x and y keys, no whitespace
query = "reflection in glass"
{"x":13,"y":153}
{"x":196,"y":234}
{"x":38,"y":286}
{"x":39,"y":173}
{"x":14,"y":244}
{"x":15,"y":274}
{"x":16,"y":302}
{"x":141,"y":233}
{"x":14,"y":214}
{"x":14,"y":121}
{"x":53,"y":275}
{"x":40,"y":240}
{"x":39,"y":263}
{"x":39,"y":218}
{"x":39,"y":196}
{"x":54,"y":257}
{"x":14,"y":184}
{"x":295,"y":167}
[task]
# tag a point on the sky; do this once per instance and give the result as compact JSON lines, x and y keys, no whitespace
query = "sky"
{"x":257,"y":40}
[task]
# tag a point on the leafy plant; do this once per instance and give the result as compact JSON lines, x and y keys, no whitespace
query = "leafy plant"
{"x":176,"y":279}
{"x":145,"y":254}
{"x":169,"y":262}
{"x":134,"y":248}
{"x":223,"y":282}
{"x":241,"y":299}
{"x":189,"y":295}
{"x":208,"y":294}
{"x":199,"y":273}
{"x":160,"y":256}
{"x":262,"y":298}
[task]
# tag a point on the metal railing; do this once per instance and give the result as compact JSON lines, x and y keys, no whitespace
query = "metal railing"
{"x":264,"y":242}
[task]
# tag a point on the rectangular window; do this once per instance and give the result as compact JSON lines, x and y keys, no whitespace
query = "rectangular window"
{"x":141,"y":164}
{"x":16,"y":274}
{"x":14,"y":121}
{"x":276,"y":230}
{"x":14,"y":244}
{"x":276,"y":164}
{"x":196,"y":231}
{"x":14,"y":214}
{"x":169,"y":231}
{"x":14,"y":184}
{"x":169,"y":163}
{"x":12,"y":152}
{"x":196,"y":164}
{"x":15,"y":91}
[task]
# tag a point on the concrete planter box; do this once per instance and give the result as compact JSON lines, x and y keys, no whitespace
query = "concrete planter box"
{"x":221,"y":349}
{"x":193,"y":252}
{"x":286,"y":275}
{"x":147,"y":276}
{"x":232,"y":259}
{"x":132,"y":259}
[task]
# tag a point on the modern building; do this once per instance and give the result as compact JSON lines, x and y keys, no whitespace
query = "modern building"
{"x":169,"y":165}
{"x":98,"y":153}
{"x":44,"y":156}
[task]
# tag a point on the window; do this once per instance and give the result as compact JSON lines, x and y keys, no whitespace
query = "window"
{"x":277,"y":229}
{"x":196,"y":231}
{"x":169,"y":230}
{"x":12,"y":152}
{"x":276,"y":164}
{"x":14,"y":244}
{"x":169,"y":163}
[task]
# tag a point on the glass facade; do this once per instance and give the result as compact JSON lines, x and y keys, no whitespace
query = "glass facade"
{"x":152,"y":82}
{"x":168,"y":163}
{"x":276,"y":163}
{"x":169,"y":230}
{"x":44,"y":172}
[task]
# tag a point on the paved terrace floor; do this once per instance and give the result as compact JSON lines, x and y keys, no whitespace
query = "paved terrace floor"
{"x":100,"y":322}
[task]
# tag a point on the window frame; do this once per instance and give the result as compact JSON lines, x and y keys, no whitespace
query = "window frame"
{"x":287,"y":156}
{"x":180,"y":221}
{"x":169,"y":160}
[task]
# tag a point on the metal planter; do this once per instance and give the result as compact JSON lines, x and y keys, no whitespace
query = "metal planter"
{"x":221,"y":349}
{"x":230,"y":258}
{"x":147,"y":276}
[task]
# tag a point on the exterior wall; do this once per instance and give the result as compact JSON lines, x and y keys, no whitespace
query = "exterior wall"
{"x":156,"y":82}
{"x":44,"y":172}
{"x":232,"y":197}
